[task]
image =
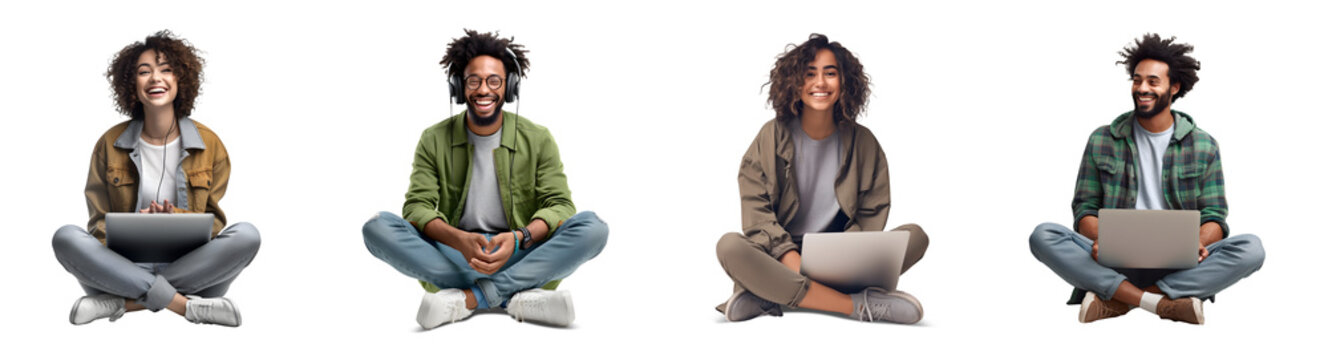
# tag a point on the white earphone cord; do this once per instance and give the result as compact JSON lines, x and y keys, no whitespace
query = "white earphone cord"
{"x":162,"y":178}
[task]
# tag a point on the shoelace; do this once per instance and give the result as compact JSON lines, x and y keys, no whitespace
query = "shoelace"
{"x":456,"y":312}
{"x":109,"y":307}
{"x":516,"y":308}
{"x":866,"y":309}
{"x":201,"y":310}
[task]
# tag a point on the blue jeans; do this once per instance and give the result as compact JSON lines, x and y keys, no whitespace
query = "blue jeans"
{"x":398,"y":243}
{"x":1069,"y":255}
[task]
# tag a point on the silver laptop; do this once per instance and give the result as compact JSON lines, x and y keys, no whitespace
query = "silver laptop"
{"x":1148,"y":239}
{"x":156,"y":238}
{"x":852,"y":261}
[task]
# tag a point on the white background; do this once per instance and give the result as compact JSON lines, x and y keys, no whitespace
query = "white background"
{"x":983,"y":110}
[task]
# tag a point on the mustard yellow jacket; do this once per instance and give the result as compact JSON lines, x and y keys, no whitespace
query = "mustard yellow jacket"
{"x":113,"y":179}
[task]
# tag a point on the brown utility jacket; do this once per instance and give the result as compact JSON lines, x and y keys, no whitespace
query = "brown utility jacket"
{"x":770,"y":195}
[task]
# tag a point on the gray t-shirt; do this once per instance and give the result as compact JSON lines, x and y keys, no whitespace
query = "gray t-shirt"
{"x":1152,"y":149}
{"x":483,"y":211}
{"x":815,"y":164}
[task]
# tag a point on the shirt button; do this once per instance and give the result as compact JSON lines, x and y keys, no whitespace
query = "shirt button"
{"x":116,"y":181}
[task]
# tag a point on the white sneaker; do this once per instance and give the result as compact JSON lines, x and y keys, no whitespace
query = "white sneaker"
{"x":542,"y":306}
{"x":90,"y":308}
{"x":444,"y":306}
{"x":218,"y":310}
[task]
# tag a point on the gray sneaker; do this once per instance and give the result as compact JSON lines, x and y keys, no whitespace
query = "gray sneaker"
{"x":542,"y":306}
{"x":877,"y":304}
{"x":744,"y":305}
{"x":218,"y":310}
{"x":444,"y":306}
{"x":90,"y":308}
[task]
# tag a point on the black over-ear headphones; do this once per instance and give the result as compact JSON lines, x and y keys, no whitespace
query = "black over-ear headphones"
{"x":456,"y":84}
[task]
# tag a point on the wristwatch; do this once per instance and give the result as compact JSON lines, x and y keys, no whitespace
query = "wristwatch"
{"x":526,"y":239}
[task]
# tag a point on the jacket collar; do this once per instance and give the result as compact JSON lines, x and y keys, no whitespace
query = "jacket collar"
{"x":189,"y":138}
{"x":844,"y":129}
{"x":1123,"y":126}
{"x":459,"y":131}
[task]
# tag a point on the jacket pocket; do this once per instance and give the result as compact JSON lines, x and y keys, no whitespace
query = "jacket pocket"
{"x":200,"y":188}
{"x":1111,"y":179}
{"x":1191,"y":171}
{"x":1189,"y":185}
{"x":121,"y":189}
{"x":117,"y":177}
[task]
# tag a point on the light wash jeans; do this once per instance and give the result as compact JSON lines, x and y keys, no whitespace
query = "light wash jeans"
{"x":1069,"y":255}
{"x":395,"y":241}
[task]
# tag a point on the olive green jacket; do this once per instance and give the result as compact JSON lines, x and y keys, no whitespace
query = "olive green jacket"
{"x":769,"y":187}
{"x":201,"y":178}
{"x":530,"y":175}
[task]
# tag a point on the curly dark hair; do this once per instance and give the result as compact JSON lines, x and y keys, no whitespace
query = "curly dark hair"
{"x":786,"y":79}
{"x":474,"y":44}
{"x":1182,"y":69}
{"x":185,"y":64}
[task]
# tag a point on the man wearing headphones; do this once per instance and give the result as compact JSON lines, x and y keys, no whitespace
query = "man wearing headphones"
{"x":488,"y":220}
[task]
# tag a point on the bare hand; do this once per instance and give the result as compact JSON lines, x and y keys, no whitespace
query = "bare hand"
{"x":164,"y":208}
{"x":1094,"y":250}
{"x":500,"y":249}
{"x":471,"y":245}
{"x":1203,"y":253}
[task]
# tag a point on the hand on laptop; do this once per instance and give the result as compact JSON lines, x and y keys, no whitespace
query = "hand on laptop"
{"x":164,"y":208}
{"x":1203,"y":253}
{"x":498,"y":250}
{"x":1094,"y":250}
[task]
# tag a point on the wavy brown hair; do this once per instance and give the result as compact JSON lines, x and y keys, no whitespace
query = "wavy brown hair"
{"x":786,"y":79}
{"x":185,"y":64}
{"x":1181,"y":68}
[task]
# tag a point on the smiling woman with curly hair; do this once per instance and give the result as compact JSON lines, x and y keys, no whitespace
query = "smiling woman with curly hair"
{"x":158,"y":161}
{"x":787,"y":79}
{"x":185,"y":66}
{"x":813,"y":169}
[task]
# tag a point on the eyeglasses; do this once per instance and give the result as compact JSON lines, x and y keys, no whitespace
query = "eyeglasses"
{"x":494,"y":81}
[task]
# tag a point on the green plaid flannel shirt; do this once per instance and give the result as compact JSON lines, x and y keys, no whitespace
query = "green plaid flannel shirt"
{"x":1191,"y":172}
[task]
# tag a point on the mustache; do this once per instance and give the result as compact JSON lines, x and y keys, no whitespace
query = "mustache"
{"x":474,"y":98}
{"x":1153,"y":94}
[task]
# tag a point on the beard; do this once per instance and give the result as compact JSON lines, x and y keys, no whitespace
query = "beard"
{"x":1163,"y":102}
{"x":476,"y":119}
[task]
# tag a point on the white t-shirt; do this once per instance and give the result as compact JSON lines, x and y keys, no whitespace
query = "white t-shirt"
{"x":483,"y":210}
{"x":1152,"y":151}
{"x":151,"y":168}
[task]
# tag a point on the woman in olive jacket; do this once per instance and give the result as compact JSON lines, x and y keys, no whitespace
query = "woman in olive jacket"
{"x":812,"y":169}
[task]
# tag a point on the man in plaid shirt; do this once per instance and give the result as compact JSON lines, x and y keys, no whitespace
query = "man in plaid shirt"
{"x":1151,"y":158}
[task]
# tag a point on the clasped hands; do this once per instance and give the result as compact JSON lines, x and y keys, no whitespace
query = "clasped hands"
{"x":487,"y":256}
